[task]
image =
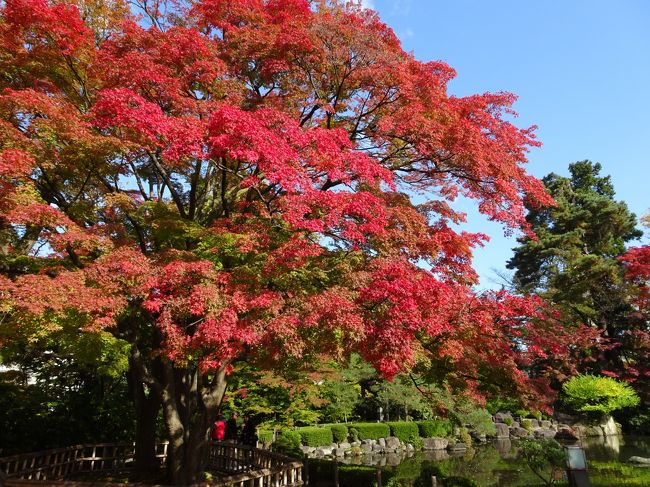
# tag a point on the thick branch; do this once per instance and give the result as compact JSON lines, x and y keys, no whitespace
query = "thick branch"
{"x":165,"y":176}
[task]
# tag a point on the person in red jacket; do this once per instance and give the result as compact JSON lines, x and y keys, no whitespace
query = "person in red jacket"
{"x":219,"y":429}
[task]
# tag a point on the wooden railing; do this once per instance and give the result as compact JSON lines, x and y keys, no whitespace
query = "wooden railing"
{"x":233,"y":466}
{"x":252,"y":467}
{"x":62,"y":463}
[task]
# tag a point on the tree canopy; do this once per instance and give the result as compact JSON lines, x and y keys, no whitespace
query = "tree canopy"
{"x":222,"y":181}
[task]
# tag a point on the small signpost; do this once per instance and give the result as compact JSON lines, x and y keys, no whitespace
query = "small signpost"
{"x":577,"y":467}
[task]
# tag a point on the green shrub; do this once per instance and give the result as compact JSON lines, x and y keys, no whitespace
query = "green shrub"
{"x":315,"y":436}
{"x":465,"y":437}
{"x":640,"y":423}
{"x":594,"y":394}
{"x":403,"y":430}
{"x":478,"y":418}
{"x":500,"y":404}
{"x":527,"y":424}
{"x":371,"y":431}
{"x":339,"y":432}
{"x":435,"y":428}
{"x":523,"y":413}
{"x":354,"y":434}
{"x":288,"y":443}
{"x":265,"y":436}
{"x":543,"y":456}
{"x":508,"y":420}
{"x":416,"y":441}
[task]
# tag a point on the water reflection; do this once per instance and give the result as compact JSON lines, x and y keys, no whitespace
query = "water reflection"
{"x":492,"y":465}
{"x":618,"y":448}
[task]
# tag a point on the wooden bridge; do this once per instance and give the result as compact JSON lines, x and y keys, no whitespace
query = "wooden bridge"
{"x":233,"y":466}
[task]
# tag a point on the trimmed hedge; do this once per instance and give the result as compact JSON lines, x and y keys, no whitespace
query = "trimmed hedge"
{"x":404,"y":430}
{"x":339,"y":432}
{"x":371,"y":431}
{"x":435,"y":428}
{"x":314,"y":436}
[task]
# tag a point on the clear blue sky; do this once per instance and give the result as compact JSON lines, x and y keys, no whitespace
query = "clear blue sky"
{"x":581,"y":69}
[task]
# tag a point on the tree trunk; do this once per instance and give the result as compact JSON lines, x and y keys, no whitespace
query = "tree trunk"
{"x":190,"y":403}
{"x":147,"y":405}
{"x":190,"y":400}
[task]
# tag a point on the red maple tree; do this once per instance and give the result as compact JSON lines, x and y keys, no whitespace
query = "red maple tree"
{"x":226,"y":180}
{"x":636,"y":342}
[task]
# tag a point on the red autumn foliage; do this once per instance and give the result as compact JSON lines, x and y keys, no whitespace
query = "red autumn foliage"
{"x":637,"y":341}
{"x":254,"y":180}
{"x":637,"y":270}
{"x":260,"y":179}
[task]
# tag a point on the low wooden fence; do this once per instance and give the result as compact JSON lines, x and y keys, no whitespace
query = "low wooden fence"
{"x":252,"y":467}
{"x":234,"y":466}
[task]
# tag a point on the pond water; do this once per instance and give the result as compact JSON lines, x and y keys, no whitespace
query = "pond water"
{"x":493,"y":465}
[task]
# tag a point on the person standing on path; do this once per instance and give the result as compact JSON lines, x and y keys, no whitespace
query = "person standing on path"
{"x":248,"y":433}
{"x":232,"y":430}
{"x":219,"y":429}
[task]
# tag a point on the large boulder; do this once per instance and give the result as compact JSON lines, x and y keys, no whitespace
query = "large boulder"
{"x":366,"y":447}
{"x":345,"y":445}
{"x":503,"y":430}
{"x":518,"y":432}
{"x":382,"y":442}
{"x":500,"y":417}
{"x":324,"y":451}
{"x":434,"y":443}
{"x":457,"y":447}
{"x":610,"y":427}
{"x":338,"y":452}
{"x":639,"y":460}
{"x":566,"y":433}
{"x":393,"y":443}
{"x":593,"y":431}
{"x":307,"y":450}
{"x":544,"y":433}
{"x":546,"y":424}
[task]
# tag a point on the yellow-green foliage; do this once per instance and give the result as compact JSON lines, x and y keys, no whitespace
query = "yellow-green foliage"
{"x":590,"y":393}
{"x":265,"y":436}
{"x":527,"y":424}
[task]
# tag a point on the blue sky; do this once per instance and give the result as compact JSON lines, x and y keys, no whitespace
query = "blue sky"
{"x":581,"y":69}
